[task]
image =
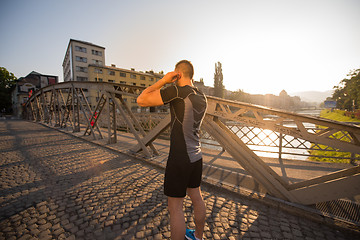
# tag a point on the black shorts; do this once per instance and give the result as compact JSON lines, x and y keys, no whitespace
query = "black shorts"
{"x":180,"y":175}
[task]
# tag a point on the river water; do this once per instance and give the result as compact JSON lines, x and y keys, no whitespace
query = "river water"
{"x":268,"y":146}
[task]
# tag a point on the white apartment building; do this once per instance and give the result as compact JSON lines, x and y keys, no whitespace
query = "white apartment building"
{"x":79,"y":55}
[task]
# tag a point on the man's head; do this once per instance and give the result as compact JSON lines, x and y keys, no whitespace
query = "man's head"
{"x":186,"y":68}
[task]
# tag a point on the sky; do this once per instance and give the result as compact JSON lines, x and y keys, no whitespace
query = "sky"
{"x":264,"y":46}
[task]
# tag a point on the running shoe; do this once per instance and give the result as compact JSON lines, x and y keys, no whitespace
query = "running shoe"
{"x":190,"y":234}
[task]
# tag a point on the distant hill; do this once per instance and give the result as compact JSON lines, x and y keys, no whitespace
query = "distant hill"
{"x":313,"y":96}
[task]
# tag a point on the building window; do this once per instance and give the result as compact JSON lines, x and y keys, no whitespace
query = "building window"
{"x":151,"y":79}
{"x":112,"y":73}
{"x":111,"y":80}
{"x":122,"y":74}
{"x":125,"y":99}
{"x":81,"y":69}
{"x":95,"y":52}
{"x":97,"y":62}
{"x":81,"y":78}
{"x":98,"y":79}
{"x":80,"y":49}
{"x":142,"y":77}
{"x":134,"y":84}
{"x":133,"y":76}
{"x":98,"y":70}
{"x":122,"y":82}
{"x":81,"y":59}
{"x":133,"y":100}
{"x":143,"y":85}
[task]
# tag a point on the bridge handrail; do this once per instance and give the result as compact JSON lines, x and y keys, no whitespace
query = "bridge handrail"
{"x":285,"y":114}
{"x":135,"y":91}
{"x":129,"y":90}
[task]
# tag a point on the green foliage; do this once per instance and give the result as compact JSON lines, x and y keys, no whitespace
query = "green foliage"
{"x":7,"y":84}
{"x":347,"y":93}
{"x":337,"y":115}
{"x":328,"y":156}
{"x":218,"y":81}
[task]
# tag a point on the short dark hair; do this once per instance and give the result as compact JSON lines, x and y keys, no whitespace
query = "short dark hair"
{"x":186,"y":68}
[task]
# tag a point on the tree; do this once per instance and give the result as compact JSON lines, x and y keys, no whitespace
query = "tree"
{"x":239,"y":95}
{"x":7,"y":84}
{"x":218,"y":81}
{"x":347,"y":93}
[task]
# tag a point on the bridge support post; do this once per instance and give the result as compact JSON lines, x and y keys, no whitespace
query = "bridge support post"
{"x":136,"y":122}
{"x":130,"y":124}
{"x":111,"y":111}
{"x":280,"y":145}
{"x":57,"y":108}
{"x":75,"y":108}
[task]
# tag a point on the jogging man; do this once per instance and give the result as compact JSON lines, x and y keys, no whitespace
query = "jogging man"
{"x":184,"y":166}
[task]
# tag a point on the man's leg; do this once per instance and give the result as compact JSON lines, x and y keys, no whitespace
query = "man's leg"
{"x":177,"y":219}
{"x":199,"y":210}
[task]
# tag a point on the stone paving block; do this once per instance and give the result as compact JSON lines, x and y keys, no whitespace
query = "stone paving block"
{"x":61,"y":187}
{"x":45,"y":226}
{"x":58,"y":232}
{"x":26,"y":237}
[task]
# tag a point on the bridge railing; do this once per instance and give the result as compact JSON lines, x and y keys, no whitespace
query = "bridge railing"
{"x":266,"y":143}
{"x":66,"y":104}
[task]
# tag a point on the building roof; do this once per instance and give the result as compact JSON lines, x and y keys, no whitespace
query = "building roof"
{"x":40,"y":74}
{"x":34,"y":73}
{"x":79,"y":41}
{"x":84,"y":42}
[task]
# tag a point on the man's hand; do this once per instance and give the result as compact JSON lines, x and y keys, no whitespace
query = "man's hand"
{"x":151,"y":96}
{"x":171,"y":77}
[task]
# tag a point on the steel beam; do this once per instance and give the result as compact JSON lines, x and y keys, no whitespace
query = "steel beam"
{"x":248,"y":159}
{"x":324,"y":188}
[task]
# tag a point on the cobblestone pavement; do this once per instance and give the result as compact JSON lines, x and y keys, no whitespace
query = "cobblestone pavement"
{"x":55,"y":186}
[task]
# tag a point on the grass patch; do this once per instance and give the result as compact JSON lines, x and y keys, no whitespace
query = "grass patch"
{"x":333,"y":156}
{"x":337,"y":115}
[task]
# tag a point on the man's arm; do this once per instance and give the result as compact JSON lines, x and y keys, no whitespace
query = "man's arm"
{"x":151,"y":96}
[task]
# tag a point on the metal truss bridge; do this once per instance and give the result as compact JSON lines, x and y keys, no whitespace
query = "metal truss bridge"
{"x":66,"y":104}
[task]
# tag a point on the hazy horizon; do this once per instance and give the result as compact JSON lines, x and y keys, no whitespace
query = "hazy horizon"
{"x":264,"y":46}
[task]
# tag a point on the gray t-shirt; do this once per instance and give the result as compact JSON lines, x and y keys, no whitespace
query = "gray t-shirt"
{"x":188,"y":107}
